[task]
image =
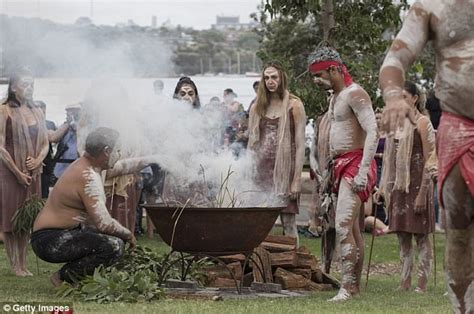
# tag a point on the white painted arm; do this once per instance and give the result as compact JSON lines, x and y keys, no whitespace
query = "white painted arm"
{"x":130,"y":165}
{"x":93,"y":197}
{"x":362,"y":107}
{"x":408,"y":44}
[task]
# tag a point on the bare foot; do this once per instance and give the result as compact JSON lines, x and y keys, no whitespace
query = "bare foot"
{"x":402,"y":289}
{"x":19,"y":272}
{"x":55,"y":279}
{"x":420,"y":290}
{"x":381,"y":232}
{"x":27,"y":272}
{"x":342,"y":295}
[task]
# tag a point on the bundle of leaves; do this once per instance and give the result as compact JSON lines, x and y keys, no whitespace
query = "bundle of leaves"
{"x":112,"y":285}
{"x":133,"y":279}
{"x":25,"y":216}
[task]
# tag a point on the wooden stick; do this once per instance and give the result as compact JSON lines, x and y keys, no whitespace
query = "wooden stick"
{"x":434,"y":256}
{"x":38,"y":268}
{"x":371,"y":247}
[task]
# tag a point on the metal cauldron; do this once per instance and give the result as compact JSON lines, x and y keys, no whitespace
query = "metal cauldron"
{"x":213,"y":231}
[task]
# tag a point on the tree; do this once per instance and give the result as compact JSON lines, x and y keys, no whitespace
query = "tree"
{"x":361,"y":32}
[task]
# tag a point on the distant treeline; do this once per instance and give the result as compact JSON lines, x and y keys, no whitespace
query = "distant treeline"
{"x":86,"y":50}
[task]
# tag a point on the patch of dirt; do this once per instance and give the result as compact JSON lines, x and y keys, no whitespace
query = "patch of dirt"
{"x":387,"y":269}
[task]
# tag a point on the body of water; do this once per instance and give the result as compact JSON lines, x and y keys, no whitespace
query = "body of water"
{"x":57,"y":93}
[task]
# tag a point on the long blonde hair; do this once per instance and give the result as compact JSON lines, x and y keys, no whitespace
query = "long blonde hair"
{"x":263,"y":94}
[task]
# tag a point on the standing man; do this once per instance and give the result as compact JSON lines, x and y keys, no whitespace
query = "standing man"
{"x":54,"y":135}
{"x":48,"y":164}
{"x":67,"y":147}
{"x":353,"y":142}
{"x":229,"y":101}
{"x":158,"y":87}
{"x":450,"y":24}
{"x":255,"y":88}
{"x":277,"y":124}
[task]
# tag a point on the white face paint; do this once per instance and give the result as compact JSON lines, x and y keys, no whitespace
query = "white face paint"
{"x":321,"y":78}
{"x":187,"y":93}
{"x":24,"y":87}
{"x":323,"y":83}
{"x":272,"y":79}
{"x":115,"y":155}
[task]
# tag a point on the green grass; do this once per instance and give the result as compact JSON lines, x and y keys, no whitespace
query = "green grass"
{"x":379,"y":297}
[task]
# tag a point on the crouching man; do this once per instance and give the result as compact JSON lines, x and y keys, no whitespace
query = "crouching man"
{"x":75,"y":227}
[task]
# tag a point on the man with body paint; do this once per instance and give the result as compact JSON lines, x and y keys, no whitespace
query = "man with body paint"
{"x":74,"y":226}
{"x":277,"y":124}
{"x":353,"y":142}
{"x":450,"y":25}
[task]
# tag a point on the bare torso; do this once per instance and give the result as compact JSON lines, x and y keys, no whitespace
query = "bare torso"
{"x":79,"y":197}
{"x":64,"y":208}
{"x":449,"y":25}
{"x":346,"y":133}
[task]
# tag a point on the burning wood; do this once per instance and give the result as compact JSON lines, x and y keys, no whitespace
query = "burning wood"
{"x":280,"y":261}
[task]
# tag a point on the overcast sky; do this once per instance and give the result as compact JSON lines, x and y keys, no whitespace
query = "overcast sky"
{"x":198,"y":14}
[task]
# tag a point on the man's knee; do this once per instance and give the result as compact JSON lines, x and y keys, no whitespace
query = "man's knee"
{"x":112,"y":248}
{"x":342,"y":232}
{"x":457,"y":200}
{"x":118,"y":247}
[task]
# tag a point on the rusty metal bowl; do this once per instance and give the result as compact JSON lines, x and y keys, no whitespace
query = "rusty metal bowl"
{"x":213,"y":231}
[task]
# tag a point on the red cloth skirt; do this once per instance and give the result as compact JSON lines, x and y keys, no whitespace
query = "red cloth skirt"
{"x":347,"y":166}
{"x":455,"y":144}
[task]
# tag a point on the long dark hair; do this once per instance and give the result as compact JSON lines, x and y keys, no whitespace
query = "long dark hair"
{"x":12,"y":100}
{"x":413,"y":90}
{"x":183,"y":81}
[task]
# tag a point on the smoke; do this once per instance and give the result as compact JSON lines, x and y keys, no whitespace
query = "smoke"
{"x":184,"y":141}
{"x":86,"y":51}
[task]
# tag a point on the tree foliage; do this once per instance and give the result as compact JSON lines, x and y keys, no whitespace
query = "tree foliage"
{"x":362,"y":34}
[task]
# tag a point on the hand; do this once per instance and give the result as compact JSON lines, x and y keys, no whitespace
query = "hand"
{"x":359,"y":183}
{"x":433,"y":173}
{"x":24,"y":179}
{"x":132,"y":241}
{"x":295,"y":190}
{"x":240,"y":135}
{"x":394,"y":115}
{"x":32,"y":163}
{"x":73,"y":125}
{"x":420,"y":202}
{"x":377,"y":198}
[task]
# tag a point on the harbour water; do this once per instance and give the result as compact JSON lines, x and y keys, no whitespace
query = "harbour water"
{"x":57,"y":93}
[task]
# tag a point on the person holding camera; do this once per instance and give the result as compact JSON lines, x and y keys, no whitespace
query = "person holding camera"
{"x":66,"y":152}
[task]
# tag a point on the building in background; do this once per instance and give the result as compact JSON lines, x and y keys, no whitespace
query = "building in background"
{"x":232,"y":22}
